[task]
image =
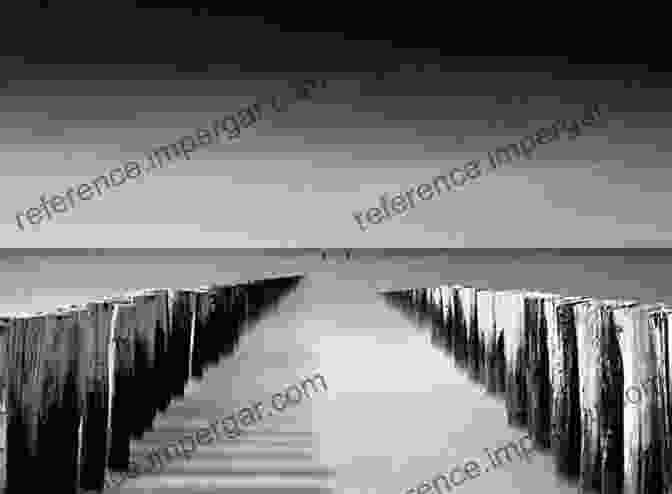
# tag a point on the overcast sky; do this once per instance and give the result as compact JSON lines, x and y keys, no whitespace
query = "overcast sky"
{"x":296,"y":178}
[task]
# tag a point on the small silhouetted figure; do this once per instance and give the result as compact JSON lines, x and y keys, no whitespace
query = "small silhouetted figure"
{"x":347,"y":254}
{"x":324,"y":255}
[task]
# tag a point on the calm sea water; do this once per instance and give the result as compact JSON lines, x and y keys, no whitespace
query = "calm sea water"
{"x":396,"y":412}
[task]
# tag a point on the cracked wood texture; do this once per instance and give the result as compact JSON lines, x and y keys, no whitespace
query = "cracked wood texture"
{"x":82,"y":382}
{"x":589,"y":379}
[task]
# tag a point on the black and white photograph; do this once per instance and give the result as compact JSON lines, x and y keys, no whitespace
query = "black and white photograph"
{"x":337,"y":370}
{"x":324,"y":252}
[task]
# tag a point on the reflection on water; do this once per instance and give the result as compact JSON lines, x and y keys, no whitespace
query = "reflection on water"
{"x":396,"y":411}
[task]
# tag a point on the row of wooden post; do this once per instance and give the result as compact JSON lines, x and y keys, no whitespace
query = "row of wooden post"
{"x":82,"y":382}
{"x":591,"y":380}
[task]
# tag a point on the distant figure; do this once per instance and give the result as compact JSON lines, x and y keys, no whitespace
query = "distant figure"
{"x":324,"y":255}
{"x":347,"y":254}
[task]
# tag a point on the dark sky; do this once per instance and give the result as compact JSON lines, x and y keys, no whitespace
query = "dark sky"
{"x":84,"y":91}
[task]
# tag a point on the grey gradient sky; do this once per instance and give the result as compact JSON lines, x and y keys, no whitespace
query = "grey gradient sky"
{"x":390,"y":119}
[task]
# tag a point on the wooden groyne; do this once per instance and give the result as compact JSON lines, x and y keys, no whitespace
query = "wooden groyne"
{"x":590,"y":380}
{"x":82,"y":381}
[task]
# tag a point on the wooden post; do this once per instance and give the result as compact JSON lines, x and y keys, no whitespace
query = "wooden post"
{"x":227,"y":327}
{"x":60,"y":399}
{"x":497,"y":355}
{"x":220,"y":333}
{"x":180,"y":339}
{"x":459,"y":327}
{"x":160,"y":316}
{"x":201,"y":333}
{"x":5,"y":328}
{"x":474,"y":354}
{"x":509,"y":315}
{"x":207,"y":335}
{"x":447,"y":298}
{"x":538,"y":382}
{"x":600,"y":394}
{"x":417,"y":304}
{"x":486,"y":325}
{"x":123,"y":418}
{"x":94,"y":362}
{"x":100,"y":367}
{"x":255,"y":291}
{"x":23,"y":346}
{"x":657,"y":388}
{"x":193,"y":302}
{"x":438,"y":327}
{"x":144,"y":360}
{"x":588,"y":321}
{"x":666,"y":330}
{"x":245,"y":289}
{"x":436,"y":307}
{"x":564,"y":375}
{"x":642,"y":413}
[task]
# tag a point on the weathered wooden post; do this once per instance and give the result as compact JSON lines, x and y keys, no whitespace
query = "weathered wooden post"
{"x":60,"y":398}
{"x":498,"y":358}
{"x":17,"y":452}
{"x":25,"y":344}
{"x":246,"y":302}
{"x":94,"y":367}
{"x":438,"y":327}
{"x":6,"y":323}
{"x":509,"y":316}
{"x":459,"y":327}
{"x":417,"y":304}
{"x":224,"y":326}
{"x":657,"y":387}
{"x":665,"y":323}
{"x":422,"y":307}
{"x":5,"y":327}
{"x":275,"y":295}
{"x":589,"y":320}
{"x":179,"y":346}
{"x":643,"y":414}
{"x":428,"y":306}
{"x":564,"y":374}
{"x":485,"y":306}
{"x":449,"y":317}
{"x":601,"y":381}
{"x":220,"y":328}
{"x":257,"y":303}
{"x":234,"y":316}
{"x":160,"y":311}
{"x":193,"y":302}
{"x":254,"y":292}
{"x":145,"y":361}
{"x":123,"y":323}
{"x":201,"y":333}
{"x":538,"y":382}
{"x":473,"y":352}
{"x":435,"y":306}
{"x":207,"y":347}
